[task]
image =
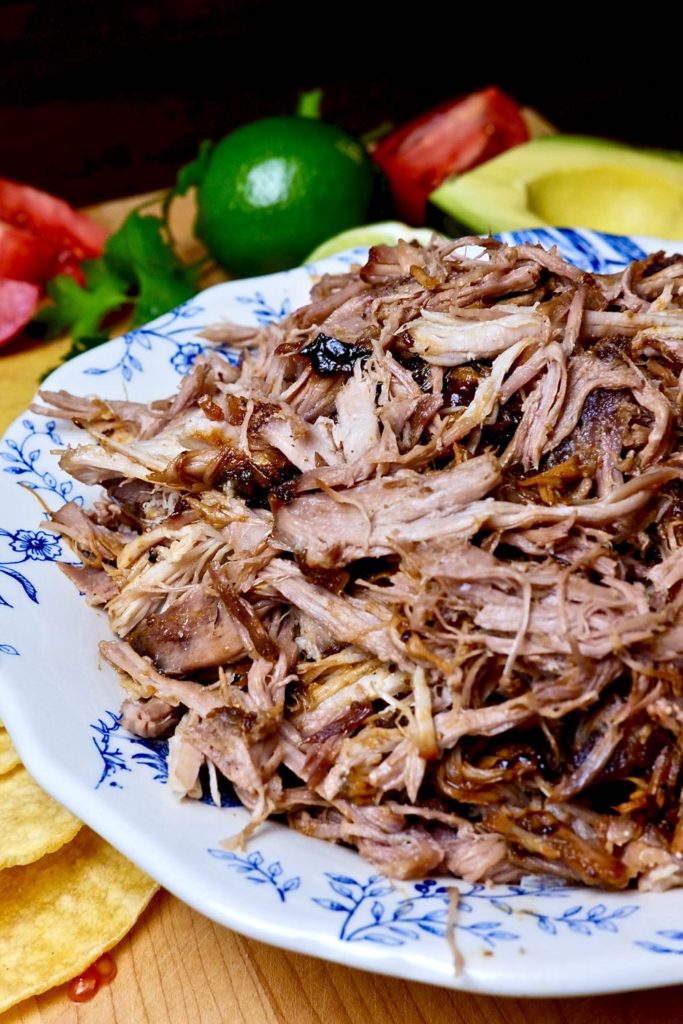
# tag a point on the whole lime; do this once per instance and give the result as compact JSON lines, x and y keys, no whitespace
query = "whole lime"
{"x":274,"y":189}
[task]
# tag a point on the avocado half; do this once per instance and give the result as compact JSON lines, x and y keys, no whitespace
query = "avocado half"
{"x":570,"y":181}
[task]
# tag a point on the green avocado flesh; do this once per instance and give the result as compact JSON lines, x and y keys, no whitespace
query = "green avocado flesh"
{"x":570,"y":181}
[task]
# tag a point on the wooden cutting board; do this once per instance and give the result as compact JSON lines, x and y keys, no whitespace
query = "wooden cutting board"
{"x":177,"y":967}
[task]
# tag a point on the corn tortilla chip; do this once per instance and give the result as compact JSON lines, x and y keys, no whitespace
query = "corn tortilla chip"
{"x":31,"y":822}
{"x":60,"y":914}
{"x":9,"y":758}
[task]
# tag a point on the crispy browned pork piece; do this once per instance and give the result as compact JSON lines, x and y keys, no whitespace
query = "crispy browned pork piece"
{"x":410,"y":573}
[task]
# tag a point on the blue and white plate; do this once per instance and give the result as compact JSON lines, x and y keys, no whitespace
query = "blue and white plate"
{"x":60,"y":705}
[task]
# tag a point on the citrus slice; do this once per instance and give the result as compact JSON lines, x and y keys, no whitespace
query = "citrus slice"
{"x":386,"y":232}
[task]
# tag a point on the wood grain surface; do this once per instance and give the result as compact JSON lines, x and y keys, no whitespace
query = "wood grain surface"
{"x":177,"y":967}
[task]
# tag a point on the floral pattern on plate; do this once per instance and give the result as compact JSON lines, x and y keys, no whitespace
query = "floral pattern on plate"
{"x":536,"y":938}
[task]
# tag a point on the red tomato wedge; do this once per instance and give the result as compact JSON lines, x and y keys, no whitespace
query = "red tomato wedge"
{"x":18,"y":302}
{"x":24,"y":256}
{"x":73,"y":236}
{"x":40,"y":236}
{"x":449,"y":139}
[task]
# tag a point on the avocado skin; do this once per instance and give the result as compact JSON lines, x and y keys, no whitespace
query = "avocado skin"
{"x":439,"y":220}
{"x":566,"y":181}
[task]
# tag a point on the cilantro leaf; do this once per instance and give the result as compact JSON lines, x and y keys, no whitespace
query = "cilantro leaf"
{"x":138,"y":272}
{"x":158,"y":294}
{"x":139,"y":268}
{"x":193,"y":173}
{"x":139,"y":242}
{"x":82,"y":310}
{"x":142,"y":253}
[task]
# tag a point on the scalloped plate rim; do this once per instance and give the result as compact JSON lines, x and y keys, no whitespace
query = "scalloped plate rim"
{"x":99,"y":809}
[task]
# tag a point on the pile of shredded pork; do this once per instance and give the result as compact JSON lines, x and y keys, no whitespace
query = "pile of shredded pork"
{"x":408,"y":574}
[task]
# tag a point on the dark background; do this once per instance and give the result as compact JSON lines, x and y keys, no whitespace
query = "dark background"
{"x":99,"y":100}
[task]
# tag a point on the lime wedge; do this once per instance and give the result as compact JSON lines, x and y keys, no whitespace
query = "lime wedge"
{"x":386,"y":232}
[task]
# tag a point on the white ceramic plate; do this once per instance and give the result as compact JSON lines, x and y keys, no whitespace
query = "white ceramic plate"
{"x":60,"y":706}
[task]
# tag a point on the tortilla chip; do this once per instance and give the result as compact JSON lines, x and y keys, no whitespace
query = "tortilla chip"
{"x":31,"y":822}
{"x":9,"y":758}
{"x":61,"y":914}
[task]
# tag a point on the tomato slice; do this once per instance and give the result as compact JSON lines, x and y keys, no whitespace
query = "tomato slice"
{"x":40,"y":236}
{"x":18,"y":303}
{"x":50,"y":218}
{"x":24,"y":256}
{"x":450,"y":139}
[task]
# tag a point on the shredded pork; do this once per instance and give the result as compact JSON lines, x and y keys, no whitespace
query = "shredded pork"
{"x":410,"y":574}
